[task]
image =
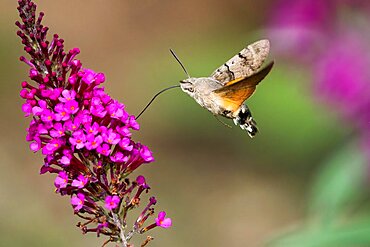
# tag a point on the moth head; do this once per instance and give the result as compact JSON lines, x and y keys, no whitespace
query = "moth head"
{"x":188,"y":86}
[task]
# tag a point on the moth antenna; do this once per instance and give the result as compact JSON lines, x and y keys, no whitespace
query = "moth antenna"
{"x":178,"y":60}
{"x":225,"y":124}
{"x":155,"y":96}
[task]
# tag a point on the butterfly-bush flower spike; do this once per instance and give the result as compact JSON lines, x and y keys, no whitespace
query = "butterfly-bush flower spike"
{"x":162,"y":221}
{"x":84,"y":134}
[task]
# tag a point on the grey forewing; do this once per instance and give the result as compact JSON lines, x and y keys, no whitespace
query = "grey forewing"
{"x":244,"y":64}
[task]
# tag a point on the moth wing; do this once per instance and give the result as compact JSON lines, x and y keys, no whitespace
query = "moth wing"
{"x":244,"y":64}
{"x":237,"y":91}
{"x":232,"y":100}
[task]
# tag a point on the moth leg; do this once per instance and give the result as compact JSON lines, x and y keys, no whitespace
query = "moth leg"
{"x":225,"y":124}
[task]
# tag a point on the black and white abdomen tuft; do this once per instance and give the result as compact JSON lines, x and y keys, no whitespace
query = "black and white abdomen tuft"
{"x":245,"y":120}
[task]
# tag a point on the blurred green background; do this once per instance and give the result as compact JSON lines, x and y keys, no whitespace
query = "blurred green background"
{"x":219,"y":187}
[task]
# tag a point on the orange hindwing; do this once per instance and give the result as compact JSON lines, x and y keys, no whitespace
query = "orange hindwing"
{"x":235,"y":92}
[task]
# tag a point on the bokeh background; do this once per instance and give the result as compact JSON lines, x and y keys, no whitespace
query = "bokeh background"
{"x":303,"y":181}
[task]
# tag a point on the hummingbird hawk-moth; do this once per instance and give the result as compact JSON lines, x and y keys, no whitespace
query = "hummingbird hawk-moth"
{"x":225,"y":91}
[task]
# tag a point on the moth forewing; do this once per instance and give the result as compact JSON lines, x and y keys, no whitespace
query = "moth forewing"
{"x":246,"y":82}
{"x":244,"y":64}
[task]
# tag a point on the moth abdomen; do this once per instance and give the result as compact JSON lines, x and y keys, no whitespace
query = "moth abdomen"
{"x":245,"y":120}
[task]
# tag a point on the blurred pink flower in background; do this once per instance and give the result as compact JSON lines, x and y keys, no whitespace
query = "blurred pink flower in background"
{"x":325,"y":39}
{"x":305,"y":28}
{"x":336,"y":54}
{"x":342,"y":76}
{"x":298,"y":26}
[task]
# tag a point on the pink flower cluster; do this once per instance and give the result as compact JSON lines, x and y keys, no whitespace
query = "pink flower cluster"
{"x":79,"y":117}
{"x":84,"y":134}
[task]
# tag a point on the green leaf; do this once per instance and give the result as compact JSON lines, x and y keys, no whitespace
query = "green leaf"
{"x":357,"y":234}
{"x":340,"y":182}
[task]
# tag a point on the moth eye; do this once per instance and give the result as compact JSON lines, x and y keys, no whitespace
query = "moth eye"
{"x":191,"y":90}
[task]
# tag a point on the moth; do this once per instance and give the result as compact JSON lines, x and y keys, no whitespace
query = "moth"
{"x":224,"y":92}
